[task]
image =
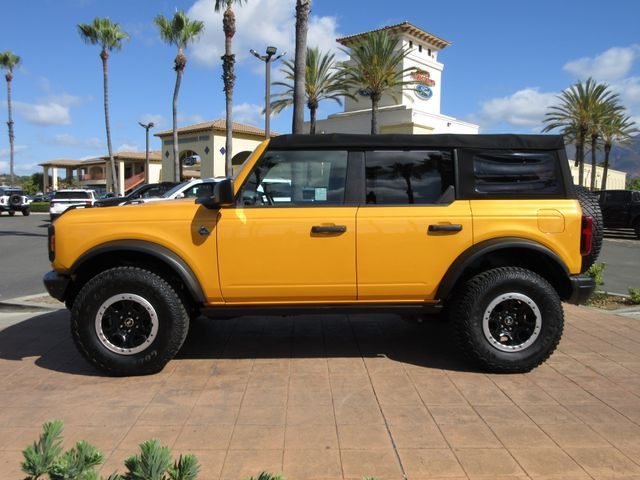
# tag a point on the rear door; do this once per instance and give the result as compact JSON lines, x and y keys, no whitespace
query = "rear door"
{"x":411,"y":228}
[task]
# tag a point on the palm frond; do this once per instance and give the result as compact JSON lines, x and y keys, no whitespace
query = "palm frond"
{"x":179,"y":31}
{"x":9,"y":60}
{"x":103,"y":32}
{"x":222,"y":4}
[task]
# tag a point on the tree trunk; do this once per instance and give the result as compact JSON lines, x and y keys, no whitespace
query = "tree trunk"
{"x":115,"y":184}
{"x":303,"y":8}
{"x":228,"y":78}
{"x":179,"y":68}
{"x":9,"y":77}
{"x":605,"y":170}
{"x":374,"y":115}
{"x":582,"y":134}
{"x":594,"y":141}
{"x":312,"y":123}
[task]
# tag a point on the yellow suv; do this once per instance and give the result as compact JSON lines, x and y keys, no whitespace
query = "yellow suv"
{"x":488,"y":228}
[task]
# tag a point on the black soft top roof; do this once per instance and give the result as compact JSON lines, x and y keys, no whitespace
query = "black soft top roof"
{"x":391,"y":141}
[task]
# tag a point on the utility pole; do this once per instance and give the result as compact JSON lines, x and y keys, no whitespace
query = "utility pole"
{"x":267,"y":59}
{"x":146,"y":126}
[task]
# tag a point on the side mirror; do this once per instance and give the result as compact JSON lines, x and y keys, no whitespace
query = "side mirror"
{"x":222,"y":195}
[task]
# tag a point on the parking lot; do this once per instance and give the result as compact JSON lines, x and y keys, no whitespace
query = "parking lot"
{"x":331,"y":396}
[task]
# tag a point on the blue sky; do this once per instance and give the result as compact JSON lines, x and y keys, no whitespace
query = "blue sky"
{"x":507,"y":61}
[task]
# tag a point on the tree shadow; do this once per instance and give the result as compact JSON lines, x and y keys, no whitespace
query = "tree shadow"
{"x":430,"y":345}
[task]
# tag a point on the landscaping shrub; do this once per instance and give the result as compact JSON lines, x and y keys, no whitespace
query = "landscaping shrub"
{"x":634,"y":295}
{"x":39,"y":206}
{"x":596,"y":272}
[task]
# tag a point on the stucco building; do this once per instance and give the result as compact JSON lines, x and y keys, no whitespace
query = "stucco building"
{"x":202,"y":148}
{"x":416,"y":107}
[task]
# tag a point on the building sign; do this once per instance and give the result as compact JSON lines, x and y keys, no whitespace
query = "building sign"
{"x":423,"y":92}
{"x":424,"y":83}
{"x":423,"y":77}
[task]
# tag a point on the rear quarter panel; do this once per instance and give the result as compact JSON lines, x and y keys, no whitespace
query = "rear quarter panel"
{"x":554,"y":223}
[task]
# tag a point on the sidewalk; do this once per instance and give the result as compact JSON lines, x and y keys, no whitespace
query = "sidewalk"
{"x":337,"y":397}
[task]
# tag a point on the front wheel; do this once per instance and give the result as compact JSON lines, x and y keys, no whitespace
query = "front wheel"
{"x":508,"y":320}
{"x":128,"y":321}
{"x":26,"y":211}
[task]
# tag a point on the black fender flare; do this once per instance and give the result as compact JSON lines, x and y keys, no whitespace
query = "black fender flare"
{"x":478,"y":250}
{"x":171,"y":259}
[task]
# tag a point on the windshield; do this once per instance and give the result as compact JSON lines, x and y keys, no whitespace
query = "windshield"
{"x":68,"y":195}
{"x":10,"y":191}
{"x":174,"y":190}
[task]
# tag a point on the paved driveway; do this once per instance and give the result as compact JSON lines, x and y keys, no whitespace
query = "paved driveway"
{"x":338,"y":397}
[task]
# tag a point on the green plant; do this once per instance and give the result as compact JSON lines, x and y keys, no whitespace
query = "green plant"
{"x":634,"y":293}
{"x":45,"y":457}
{"x":596,"y":272}
{"x":266,"y":476}
{"x":39,"y":206}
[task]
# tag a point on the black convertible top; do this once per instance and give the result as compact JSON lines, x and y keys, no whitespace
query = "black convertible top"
{"x":449,"y":140}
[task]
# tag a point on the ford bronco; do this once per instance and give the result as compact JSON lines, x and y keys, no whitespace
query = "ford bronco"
{"x":486,"y":229}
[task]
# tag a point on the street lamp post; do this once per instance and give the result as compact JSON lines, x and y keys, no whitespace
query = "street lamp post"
{"x":146,"y":126}
{"x":267,"y":59}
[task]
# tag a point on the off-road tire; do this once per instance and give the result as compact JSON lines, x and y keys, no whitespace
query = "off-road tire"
{"x":470,"y":300}
{"x":12,"y":213}
{"x":636,"y":228}
{"x":591,"y":207}
{"x":173,"y":320}
{"x":26,"y":212}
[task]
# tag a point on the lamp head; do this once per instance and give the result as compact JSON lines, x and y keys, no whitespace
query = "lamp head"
{"x":271,"y":51}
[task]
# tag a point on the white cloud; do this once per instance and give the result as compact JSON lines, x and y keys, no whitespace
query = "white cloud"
{"x":190,"y":119}
{"x":53,"y":110}
{"x":259,"y":23}
{"x":524,"y":108}
{"x":5,"y":152}
{"x":612,"y":64}
{"x":248,"y":113}
{"x":128,"y":147}
{"x":158,"y":120}
{"x":70,"y":140}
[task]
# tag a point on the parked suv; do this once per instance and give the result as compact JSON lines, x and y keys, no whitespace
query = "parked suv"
{"x":149,"y":190}
{"x":621,"y":209}
{"x":486,"y":229}
{"x":12,"y":200}
{"x":70,"y":198}
{"x":190,"y":189}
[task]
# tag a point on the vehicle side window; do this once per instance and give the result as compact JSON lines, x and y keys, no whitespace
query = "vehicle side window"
{"x":407,"y":177}
{"x":150,"y":193}
{"x":199,"y":190}
{"x":635,"y":197}
{"x":309,"y":177}
{"x":616,"y":197}
{"x":515,"y":173}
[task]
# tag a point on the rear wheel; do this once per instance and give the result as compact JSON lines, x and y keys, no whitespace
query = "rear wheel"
{"x":636,"y":228}
{"x":128,"y":321}
{"x":507,"y":319}
{"x":26,"y":211}
{"x":12,"y":213}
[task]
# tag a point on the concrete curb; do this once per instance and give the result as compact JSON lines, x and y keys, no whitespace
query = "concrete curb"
{"x":24,"y":304}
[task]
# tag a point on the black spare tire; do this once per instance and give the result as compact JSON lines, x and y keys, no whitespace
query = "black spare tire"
{"x":15,"y":200}
{"x":590,"y":207}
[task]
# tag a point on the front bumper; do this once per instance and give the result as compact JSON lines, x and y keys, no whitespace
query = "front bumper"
{"x":56,"y":284}
{"x":582,"y":286}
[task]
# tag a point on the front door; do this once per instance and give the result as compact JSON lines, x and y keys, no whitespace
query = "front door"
{"x":411,"y":228}
{"x":291,"y":237}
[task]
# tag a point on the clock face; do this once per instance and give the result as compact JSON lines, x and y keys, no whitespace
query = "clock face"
{"x":423,"y":92}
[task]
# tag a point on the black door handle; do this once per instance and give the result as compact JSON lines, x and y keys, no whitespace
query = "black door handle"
{"x":329,"y":229}
{"x":455,"y":227}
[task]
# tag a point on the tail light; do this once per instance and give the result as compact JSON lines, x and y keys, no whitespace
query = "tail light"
{"x":52,"y":242}
{"x":586,"y":235}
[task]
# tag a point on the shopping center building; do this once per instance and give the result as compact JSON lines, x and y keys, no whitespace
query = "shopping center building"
{"x":413,"y":108}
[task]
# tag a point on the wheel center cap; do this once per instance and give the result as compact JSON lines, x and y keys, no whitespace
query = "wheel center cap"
{"x":508,"y":321}
{"x":129,"y":322}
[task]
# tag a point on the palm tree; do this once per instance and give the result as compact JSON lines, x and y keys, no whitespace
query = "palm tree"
{"x":303,"y":7}
{"x":108,"y":35}
{"x":575,"y":113}
{"x":376,"y":68}
{"x":8,"y":61}
{"x":228,"y":73}
{"x":179,"y":31}
{"x":322,"y":82}
{"x":619,"y":128}
{"x":601,"y":114}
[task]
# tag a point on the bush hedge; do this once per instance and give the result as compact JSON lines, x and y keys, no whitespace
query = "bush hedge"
{"x":39,"y":207}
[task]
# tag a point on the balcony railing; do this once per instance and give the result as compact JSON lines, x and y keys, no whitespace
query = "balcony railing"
{"x":92,"y":176}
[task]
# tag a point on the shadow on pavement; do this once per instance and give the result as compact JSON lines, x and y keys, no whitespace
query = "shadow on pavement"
{"x":431,"y":345}
{"x":620,"y":234}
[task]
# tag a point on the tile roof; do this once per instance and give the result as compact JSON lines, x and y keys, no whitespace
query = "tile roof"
{"x":221,"y":125}
{"x":404,"y":27}
{"x":154,"y":155}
